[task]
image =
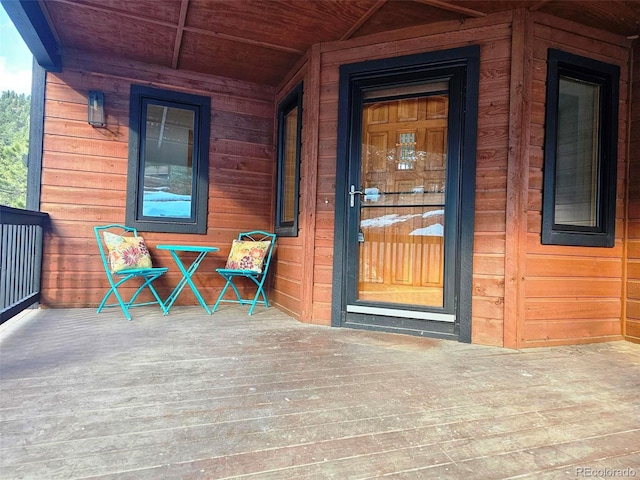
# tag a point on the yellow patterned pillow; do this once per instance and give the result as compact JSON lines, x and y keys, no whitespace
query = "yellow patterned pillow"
{"x":126,"y":253}
{"x":247,"y":255}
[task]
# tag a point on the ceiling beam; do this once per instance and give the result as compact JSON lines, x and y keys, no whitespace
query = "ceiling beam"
{"x":538,"y":5}
{"x":52,"y":25}
{"x":453,"y":8}
{"x":178,"y":43}
{"x":248,"y":41}
{"x":35,"y":31}
{"x":362,"y":20}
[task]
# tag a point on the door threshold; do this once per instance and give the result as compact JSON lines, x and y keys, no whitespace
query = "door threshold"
{"x":397,"y":312}
{"x":408,"y":326}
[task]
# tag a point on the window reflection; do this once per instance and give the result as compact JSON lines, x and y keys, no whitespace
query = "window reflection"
{"x":168,"y":162}
{"x":577,"y":162}
{"x":290,"y":149}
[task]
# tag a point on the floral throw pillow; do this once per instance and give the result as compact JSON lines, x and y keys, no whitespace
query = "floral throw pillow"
{"x":247,"y":255}
{"x":126,"y":253}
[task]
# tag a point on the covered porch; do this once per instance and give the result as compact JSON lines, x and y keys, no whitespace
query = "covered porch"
{"x":231,"y":396}
{"x":232,"y":64}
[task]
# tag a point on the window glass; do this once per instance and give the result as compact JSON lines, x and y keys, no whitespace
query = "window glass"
{"x":168,"y":162}
{"x":577,"y":160}
{"x":406,"y":151}
{"x":289,"y":165}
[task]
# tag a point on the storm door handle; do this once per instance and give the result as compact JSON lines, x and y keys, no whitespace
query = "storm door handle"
{"x":352,"y":195}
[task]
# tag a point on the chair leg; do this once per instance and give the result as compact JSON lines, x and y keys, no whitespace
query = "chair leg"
{"x":164,"y":308}
{"x":224,"y":290}
{"x":132,"y":300}
{"x":126,"y":305}
{"x":242,"y":301}
{"x":253,"y":304}
{"x":121,"y":302}
{"x":104,"y":300}
{"x":256,"y":298}
{"x":147,"y":283}
{"x":235,"y":289}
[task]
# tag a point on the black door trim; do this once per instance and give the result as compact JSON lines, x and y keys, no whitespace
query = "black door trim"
{"x":353,"y":78}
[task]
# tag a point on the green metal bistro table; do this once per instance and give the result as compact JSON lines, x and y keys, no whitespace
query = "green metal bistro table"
{"x":187,"y":273}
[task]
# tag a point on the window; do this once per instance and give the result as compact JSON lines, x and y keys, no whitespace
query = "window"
{"x":406,"y":151}
{"x":167,"y":184}
{"x":580,"y":151}
{"x":288,"y":187}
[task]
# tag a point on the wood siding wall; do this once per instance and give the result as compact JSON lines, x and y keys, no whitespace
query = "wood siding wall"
{"x":571,"y":294}
{"x":632,"y":320}
{"x":85,"y":173}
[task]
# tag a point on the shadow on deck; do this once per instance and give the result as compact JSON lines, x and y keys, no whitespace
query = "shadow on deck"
{"x":192,"y":396}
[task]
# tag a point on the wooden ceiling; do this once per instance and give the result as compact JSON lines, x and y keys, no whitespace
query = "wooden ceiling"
{"x":261,"y":40}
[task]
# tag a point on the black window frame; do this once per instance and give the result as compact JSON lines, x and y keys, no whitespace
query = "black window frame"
{"x":560,"y":63}
{"x":140,"y":97}
{"x":290,"y":102}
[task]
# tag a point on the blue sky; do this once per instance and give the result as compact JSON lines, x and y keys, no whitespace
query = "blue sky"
{"x":15,"y":58}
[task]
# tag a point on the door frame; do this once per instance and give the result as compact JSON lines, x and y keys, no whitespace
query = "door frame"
{"x":352,"y":77}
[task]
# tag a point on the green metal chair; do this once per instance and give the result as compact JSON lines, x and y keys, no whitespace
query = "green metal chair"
{"x":249,"y":257}
{"x":125,"y":257}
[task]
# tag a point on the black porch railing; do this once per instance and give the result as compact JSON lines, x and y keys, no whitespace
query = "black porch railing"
{"x":21,"y":233}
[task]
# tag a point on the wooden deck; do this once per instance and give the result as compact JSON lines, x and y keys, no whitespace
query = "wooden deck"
{"x":192,"y":396}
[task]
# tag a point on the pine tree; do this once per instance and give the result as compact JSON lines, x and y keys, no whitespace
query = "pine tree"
{"x":14,"y":147}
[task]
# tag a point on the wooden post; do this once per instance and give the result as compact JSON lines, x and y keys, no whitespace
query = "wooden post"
{"x":311,"y":106}
{"x":517,"y":178}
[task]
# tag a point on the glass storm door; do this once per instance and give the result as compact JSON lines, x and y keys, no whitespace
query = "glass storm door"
{"x":401,"y":207}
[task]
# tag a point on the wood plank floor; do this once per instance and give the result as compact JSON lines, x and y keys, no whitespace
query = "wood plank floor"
{"x":192,"y":396}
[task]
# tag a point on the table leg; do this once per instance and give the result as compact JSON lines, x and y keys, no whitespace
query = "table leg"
{"x":186,"y":278}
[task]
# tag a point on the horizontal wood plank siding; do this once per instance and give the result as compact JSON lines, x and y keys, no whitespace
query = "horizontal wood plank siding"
{"x":85,"y":173}
{"x":572,"y":294}
{"x":631,"y":328}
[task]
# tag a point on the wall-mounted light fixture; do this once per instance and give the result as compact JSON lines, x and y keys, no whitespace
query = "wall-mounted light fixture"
{"x":95,"y":113}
